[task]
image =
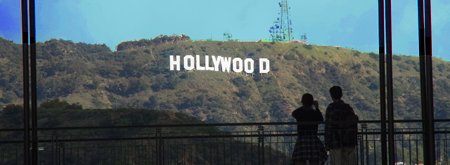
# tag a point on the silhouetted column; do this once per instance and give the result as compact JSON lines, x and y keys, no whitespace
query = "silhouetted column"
{"x":382,"y":72}
{"x":26,"y":92}
{"x":429,"y":67}
{"x":390,"y":96}
{"x":34,"y":145}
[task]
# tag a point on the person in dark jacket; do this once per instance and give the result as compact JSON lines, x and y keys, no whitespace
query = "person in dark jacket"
{"x":309,"y":150}
{"x":340,"y":130}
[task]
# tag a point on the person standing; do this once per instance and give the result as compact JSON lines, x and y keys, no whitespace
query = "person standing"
{"x":308,"y":150}
{"x":341,"y":126}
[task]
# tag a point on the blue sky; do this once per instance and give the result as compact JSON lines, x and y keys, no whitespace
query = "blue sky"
{"x":347,"y":23}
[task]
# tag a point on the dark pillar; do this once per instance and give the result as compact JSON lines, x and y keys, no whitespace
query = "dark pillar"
{"x":26,"y":92}
{"x":390,"y":96}
{"x":428,"y":119}
{"x":34,"y":144}
{"x":382,"y":71}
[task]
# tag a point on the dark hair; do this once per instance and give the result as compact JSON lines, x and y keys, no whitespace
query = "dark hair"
{"x":336,"y":92}
{"x":307,"y":99}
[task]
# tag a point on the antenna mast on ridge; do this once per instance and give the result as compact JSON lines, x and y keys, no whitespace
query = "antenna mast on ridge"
{"x":282,"y":28}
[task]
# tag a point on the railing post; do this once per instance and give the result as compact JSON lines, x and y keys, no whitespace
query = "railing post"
{"x":261,"y":144}
{"x":445,"y":148}
{"x":63,"y":154}
{"x":159,"y":147}
{"x":361,"y":146}
{"x":53,"y":144}
{"x":366,"y":142}
{"x":56,"y":151}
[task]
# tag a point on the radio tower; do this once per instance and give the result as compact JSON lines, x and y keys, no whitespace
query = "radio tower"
{"x":282,"y":28}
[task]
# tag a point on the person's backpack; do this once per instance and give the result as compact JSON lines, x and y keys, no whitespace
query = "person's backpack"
{"x":347,"y":125}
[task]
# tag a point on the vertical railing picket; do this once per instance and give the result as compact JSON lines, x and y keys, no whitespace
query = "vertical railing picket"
{"x":261,"y":145}
{"x":374,"y":142}
{"x":410,"y":150}
{"x":52,"y":150}
{"x":159,"y":146}
{"x":360,"y":155}
{"x":445,"y":147}
{"x":416,"y":140}
{"x":402,"y":141}
{"x":63,"y":154}
{"x":366,"y":141}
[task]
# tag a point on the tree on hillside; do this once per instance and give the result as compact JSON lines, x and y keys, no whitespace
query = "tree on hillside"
{"x":57,"y":104}
{"x":12,"y":107}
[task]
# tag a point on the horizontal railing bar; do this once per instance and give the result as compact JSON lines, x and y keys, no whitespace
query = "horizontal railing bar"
{"x":199,"y":136}
{"x":206,"y":125}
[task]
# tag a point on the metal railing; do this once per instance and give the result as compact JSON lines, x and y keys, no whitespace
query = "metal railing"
{"x":194,"y":144}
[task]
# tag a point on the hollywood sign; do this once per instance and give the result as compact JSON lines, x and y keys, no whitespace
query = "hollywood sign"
{"x":218,"y":64}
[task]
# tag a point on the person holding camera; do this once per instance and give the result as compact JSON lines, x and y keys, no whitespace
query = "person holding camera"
{"x":308,"y":150}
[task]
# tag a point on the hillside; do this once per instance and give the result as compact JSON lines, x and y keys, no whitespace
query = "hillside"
{"x":137,"y":76}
